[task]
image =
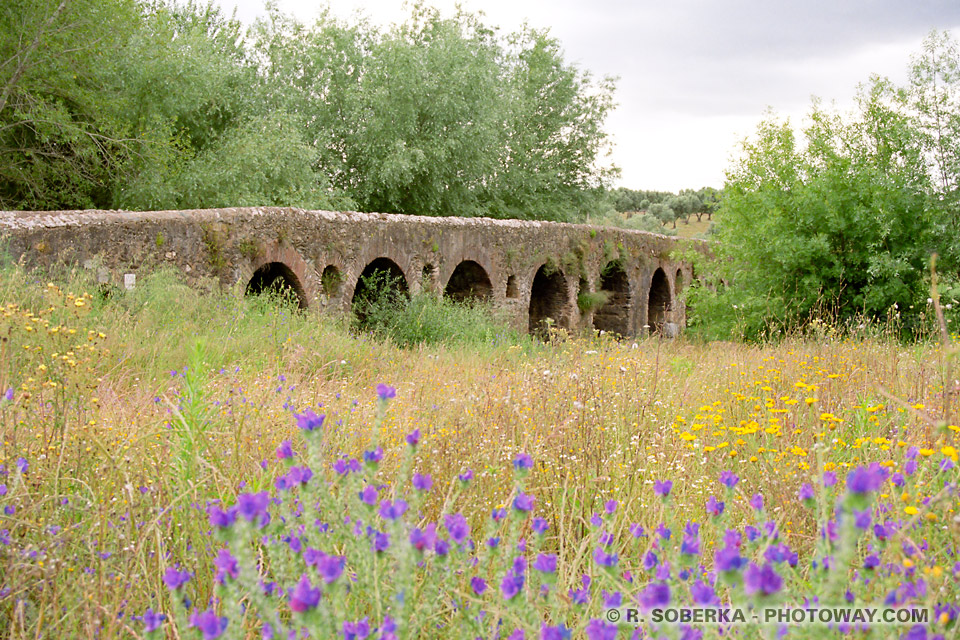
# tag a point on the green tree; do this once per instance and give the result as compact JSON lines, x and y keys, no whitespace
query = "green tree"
{"x":60,"y":144}
{"x":842,"y":219}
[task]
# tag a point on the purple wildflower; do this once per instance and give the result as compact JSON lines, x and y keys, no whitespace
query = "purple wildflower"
{"x":714,"y":506}
{"x":806,"y":492}
{"x":304,"y":596}
{"x":413,"y":438}
{"x":423,"y":539}
{"x":866,"y":479}
{"x":253,"y":506}
{"x":392,"y":510}
{"x":662,"y":488}
{"x":369,"y":495}
{"x":636,"y":530}
{"x":729,"y":479}
{"x":22,"y":465}
{"x":599,"y":630}
{"x":209,"y":624}
{"x":763,"y":580}
{"x":757,"y":501}
{"x":829,"y":478}
{"x":152,"y":620}
{"x":703,"y":594}
{"x":523,"y":502}
{"x":605,"y":559}
{"x":657,"y":594}
{"x":175,"y":579}
{"x":457,"y":527}
{"x":466,"y":476}
{"x":546,"y":563}
{"x":8,"y":395}
{"x":522,"y":462}
{"x":540,"y":526}
{"x":309,"y":421}
{"x":285,"y":450}
{"x":373,"y":457}
{"x":650,"y":560}
{"x":610,"y":507}
{"x":220,"y":518}
{"x":422,"y":482}
{"x":330,"y":567}
{"x":479,"y":585}
{"x":511,"y":584}
{"x":728,"y":559}
{"x":386,"y":392}
{"x":226,"y":565}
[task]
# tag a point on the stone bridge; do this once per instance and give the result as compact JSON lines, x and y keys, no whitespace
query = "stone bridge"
{"x":581,"y":277}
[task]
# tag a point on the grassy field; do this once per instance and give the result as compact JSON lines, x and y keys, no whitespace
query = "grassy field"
{"x":131,"y":417}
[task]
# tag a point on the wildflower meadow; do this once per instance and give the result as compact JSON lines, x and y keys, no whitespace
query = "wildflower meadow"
{"x":182,"y":463}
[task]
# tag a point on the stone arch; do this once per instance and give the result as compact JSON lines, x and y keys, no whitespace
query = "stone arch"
{"x":469,"y":281}
{"x":331,"y":281}
{"x":279,"y":279}
{"x":659,"y":301}
{"x":549,"y":298}
{"x":380,"y":273}
{"x":615,"y":314}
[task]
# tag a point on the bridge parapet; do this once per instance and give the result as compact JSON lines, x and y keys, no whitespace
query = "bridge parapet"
{"x":534,"y":270}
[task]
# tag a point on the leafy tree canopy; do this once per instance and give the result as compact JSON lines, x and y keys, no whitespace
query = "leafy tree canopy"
{"x":135,"y":104}
{"x":844,"y":215}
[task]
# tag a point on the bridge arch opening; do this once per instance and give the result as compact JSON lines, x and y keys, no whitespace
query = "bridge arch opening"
{"x":513,"y":291}
{"x":277,"y":279}
{"x":614,"y":315}
{"x":678,"y":281}
{"x":659,"y":302}
{"x":469,"y":281}
{"x":380,"y":283}
{"x":548,"y":300}
{"x":330,"y":281}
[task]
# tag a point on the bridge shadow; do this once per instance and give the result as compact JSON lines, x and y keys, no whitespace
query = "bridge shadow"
{"x":469,"y":281}
{"x":548,"y":301}
{"x":659,"y":301}
{"x":614,"y":316}
{"x":277,"y":279}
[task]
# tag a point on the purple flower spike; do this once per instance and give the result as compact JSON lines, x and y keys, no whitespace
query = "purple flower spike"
{"x":540,"y":526}
{"x":373,"y":457}
{"x":457,"y":527}
{"x":546,"y":563}
{"x":600,"y":630}
{"x":662,"y":487}
{"x":413,"y":438}
{"x":466,"y":476}
{"x":285,"y":450}
{"x":714,"y":506}
{"x":222,"y":519}
{"x":309,"y":421}
{"x":226,"y":565}
{"x":22,"y":465}
{"x":175,"y":579}
{"x":386,"y":392}
{"x":522,"y":462}
{"x":253,"y":506}
{"x":829,"y":478}
{"x":369,"y":496}
{"x":806,"y":492}
{"x":866,"y":479}
{"x":605,"y":559}
{"x":8,"y":395}
{"x":152,"y":620}
{"x":330,"y":567}
{"x":654,"y":596}
{"x":610,"y":507}
{"x":757,"y":501}
{"x":763,"y":580}
{"x":209,"y":624}
{"x":392,"y":510}
{"x":304,"y":596}
{"x":422,"y":482}
{"x":523,"y":502}
{"x":479,"y":585}
{"x":511,"y":585}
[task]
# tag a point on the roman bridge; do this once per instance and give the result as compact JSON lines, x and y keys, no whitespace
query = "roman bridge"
{"x":628,"y":282}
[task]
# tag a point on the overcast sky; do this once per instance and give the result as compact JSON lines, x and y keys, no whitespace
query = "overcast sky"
{"x":695,"y":76}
